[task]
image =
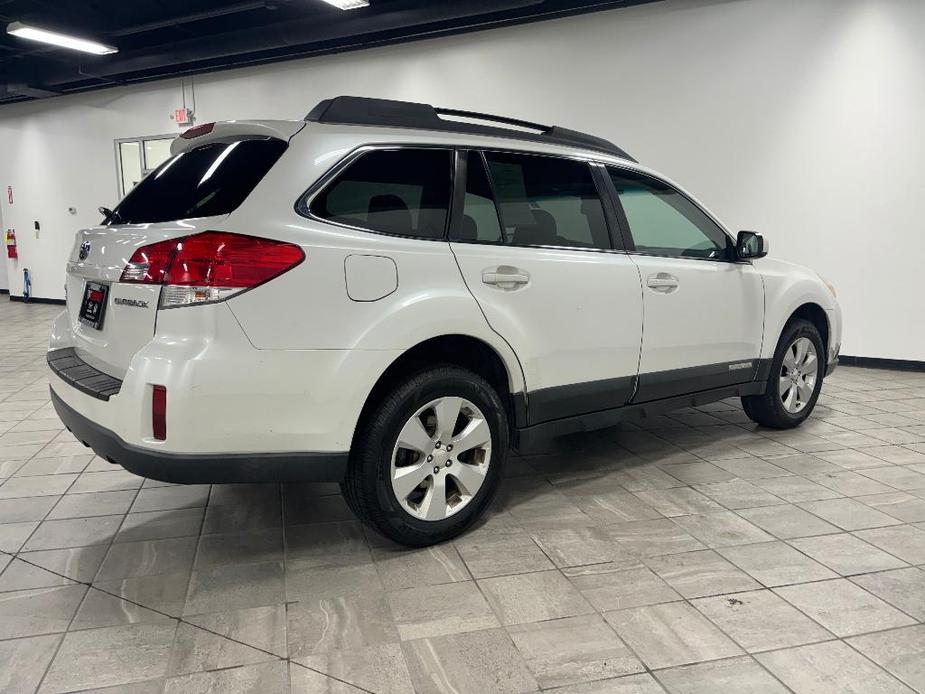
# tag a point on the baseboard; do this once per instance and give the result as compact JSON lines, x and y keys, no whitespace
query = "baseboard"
{"x":878,"y":363}
{"x":4,"y":291}
{"x":37,"y":300}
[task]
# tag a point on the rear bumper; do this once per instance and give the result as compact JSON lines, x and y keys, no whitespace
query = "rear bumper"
{"x":201,"y":468}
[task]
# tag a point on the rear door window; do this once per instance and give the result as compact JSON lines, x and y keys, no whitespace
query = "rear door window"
{"x":542,"y":201}
{"x":405,"y":192}
{"x":209,"y":180}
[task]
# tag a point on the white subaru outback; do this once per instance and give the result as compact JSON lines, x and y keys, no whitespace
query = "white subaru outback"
{"x":390,"y":295}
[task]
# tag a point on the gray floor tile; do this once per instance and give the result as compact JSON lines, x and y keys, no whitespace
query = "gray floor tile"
{"x":229,"y":639}
{"x":147,"y":558}
{"x":14,"y":535}
{"x":697,"y":473}
{"x":92,"y":504}
{"x":680,"y":501}
{"x":132,"y":600}
{"x":158,"y":525}
{"x":380,"y":668}
{"x":849,"y":514}
{"x":829,"y":667}
{"x":249,"y":585}
{"x":323,"y":544}
{"x":448,"y":609}
{"x":846,"y":554}
{"x":573,"y":650}
{"x":533,"y":597}
{"x":342,"y":624}
{"x":167,"y":498}
{"x":738,"y":494}
{"x":901,"y":652}
{"x":29,"y":509}
{"x":74,"y":532}
{"x":796,"y":489}
{"x":608,"y":587}
{"x":24,"y":662}
{"x":751,"y":468}
{"x":262,"y":678}
{"x":901,"y":505}
{"x":110,"y":481}
{"x":850,"y":483}
{"x":722,"y":529}
{"x":76,"y":563}
{"x":902,"y":588}
{"x":701,"y":573}
{"x":852,"y":460}
{"x":583,"y":546}
{"x":904,"y":541}
{"x":470,"y":663}
{"x":111,"y":656}
{"x":415,"y":568}
{"x":44,"y":485}
{"x":902,"y":478}
{"x":630,"y":684}
{"x":803,"y":464}
{"x":350,"y":577}
{"x":671,"y":634}
{"x":615,"y":507}
{"x":502,"y":554}
{"x":38,"y":611}
{"x":735,"y":675}
{"x":653,"y":538}
{"x":240,"y":548}
{"x":843,"y":608}
{"x":776,"y":564}
{"x":787,"y":521}
{"x":760,"y":620}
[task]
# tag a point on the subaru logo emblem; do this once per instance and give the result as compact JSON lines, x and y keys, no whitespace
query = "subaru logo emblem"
{"x":84,"y":250}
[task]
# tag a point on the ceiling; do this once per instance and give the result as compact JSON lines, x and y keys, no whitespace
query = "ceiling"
{"x":160,"y":38}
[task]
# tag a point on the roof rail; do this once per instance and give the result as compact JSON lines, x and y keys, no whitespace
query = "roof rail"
{"x":358,"y":110}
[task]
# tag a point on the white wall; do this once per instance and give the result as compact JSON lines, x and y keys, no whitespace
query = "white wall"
{"x":800,"y":118}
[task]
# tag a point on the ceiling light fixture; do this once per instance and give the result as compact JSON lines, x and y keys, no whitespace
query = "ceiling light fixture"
{"x":24,"y":31}
{"x":348,"y":4}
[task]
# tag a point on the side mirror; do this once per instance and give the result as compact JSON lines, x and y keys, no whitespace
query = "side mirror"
{"x":750,"y":245}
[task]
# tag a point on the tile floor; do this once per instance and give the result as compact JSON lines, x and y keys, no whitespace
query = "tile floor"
{"x":693,"y":554}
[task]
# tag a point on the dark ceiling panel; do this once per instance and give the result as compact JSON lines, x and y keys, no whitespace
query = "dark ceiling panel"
{"x":161,"y":38}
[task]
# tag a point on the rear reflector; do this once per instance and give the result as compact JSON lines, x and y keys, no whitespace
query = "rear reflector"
{"x":159,"y":413}
{"x":210,"y":266}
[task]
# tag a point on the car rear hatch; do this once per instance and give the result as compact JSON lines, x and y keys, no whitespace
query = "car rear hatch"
{"x":208,"y":175}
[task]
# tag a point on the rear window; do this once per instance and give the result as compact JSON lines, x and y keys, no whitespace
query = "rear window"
{"x":210,"y":180}
{"x":405,"y":192}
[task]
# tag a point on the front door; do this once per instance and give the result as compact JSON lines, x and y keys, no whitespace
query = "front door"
{"x":534,"y":248}
{"x":704,"y":312}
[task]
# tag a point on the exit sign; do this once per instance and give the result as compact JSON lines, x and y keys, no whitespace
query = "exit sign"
{"x":183,"y":116}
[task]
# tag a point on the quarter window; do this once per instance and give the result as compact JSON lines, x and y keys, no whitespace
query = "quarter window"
{"x":662,"y":221}
{"x":395,"y":191}
{"x":541,"y":201}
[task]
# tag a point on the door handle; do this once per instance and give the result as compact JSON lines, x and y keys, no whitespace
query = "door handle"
{"x":505,"y":277}
{"x":663,"y":282}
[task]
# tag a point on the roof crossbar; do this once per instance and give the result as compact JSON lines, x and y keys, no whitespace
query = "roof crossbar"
{"x":357,"y":110}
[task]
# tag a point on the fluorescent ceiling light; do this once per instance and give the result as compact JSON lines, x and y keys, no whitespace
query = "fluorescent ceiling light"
{"x":24,"y":31}
{"x":348,"y":4}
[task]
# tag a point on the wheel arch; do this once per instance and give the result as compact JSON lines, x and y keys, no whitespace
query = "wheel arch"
{"x":462,"y":350}
{"x":815,"y":314}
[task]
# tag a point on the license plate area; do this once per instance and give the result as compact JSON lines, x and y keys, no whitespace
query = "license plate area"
{"x":93,"y":306}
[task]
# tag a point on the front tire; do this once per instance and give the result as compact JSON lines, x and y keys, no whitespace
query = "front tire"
{"x":427,"y":459}
{"x":794,"y":380}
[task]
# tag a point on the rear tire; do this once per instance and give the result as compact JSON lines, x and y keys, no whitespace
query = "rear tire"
{"x":794,"y":381}
{"x":426,"y":430}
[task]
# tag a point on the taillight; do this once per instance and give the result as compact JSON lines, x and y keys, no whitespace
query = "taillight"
{"x":210,"y":266}
{"x":159,"y":413}
{"x":197,"y":131}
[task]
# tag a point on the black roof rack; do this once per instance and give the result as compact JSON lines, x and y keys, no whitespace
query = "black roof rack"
{"x":358,"y":110}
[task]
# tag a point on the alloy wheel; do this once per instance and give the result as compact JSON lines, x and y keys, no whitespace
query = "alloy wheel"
{"x":798,"y":375}
{"x":441,"y":458}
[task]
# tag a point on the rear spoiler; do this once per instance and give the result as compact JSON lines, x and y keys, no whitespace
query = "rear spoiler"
{"x":233,"y":130}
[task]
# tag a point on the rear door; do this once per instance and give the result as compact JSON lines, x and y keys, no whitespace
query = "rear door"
{"x":704,"y":312}
{"x":532,"y":240}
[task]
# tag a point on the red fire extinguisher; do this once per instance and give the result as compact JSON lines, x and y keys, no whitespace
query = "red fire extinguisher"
{"x":11,"y":244}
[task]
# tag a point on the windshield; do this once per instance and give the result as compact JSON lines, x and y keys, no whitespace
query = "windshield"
{"x":210,"y":180}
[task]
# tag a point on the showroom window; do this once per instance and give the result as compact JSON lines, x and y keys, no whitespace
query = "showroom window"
{"x":662,"y":221}
{"x":405,"y":192}
{"x":542,"y":201}
{"x":210,"y":180}
{"x":139,"y":156}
